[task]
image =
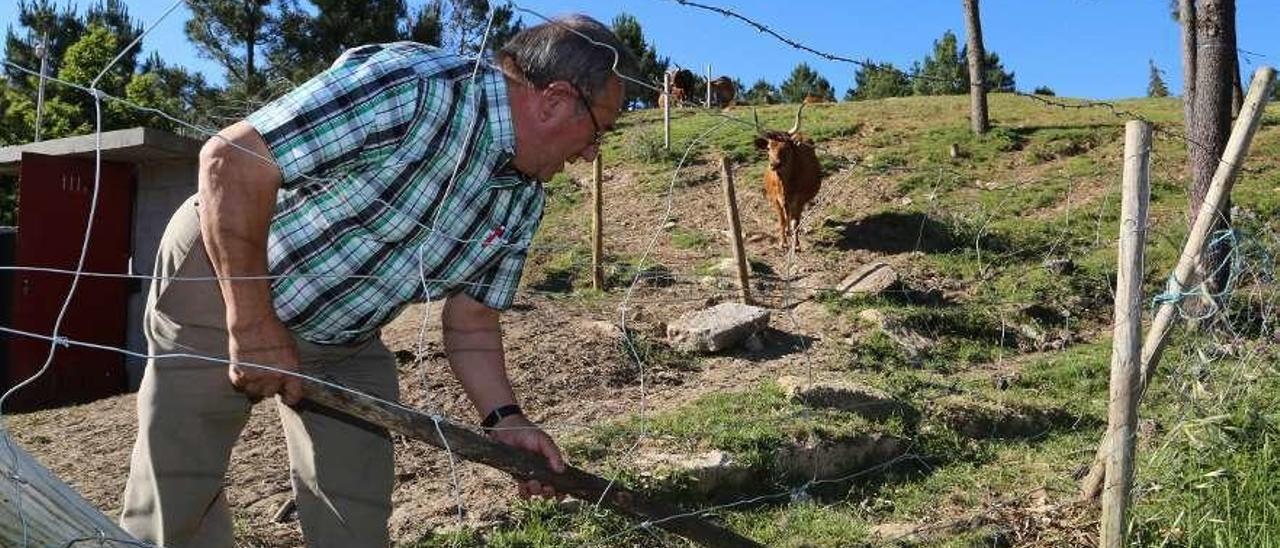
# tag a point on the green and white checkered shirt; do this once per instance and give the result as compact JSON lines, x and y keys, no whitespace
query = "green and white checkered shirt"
{"x":366,"y":220}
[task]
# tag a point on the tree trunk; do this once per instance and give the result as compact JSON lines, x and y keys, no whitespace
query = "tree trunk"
{"x":1187,"y":16}
{"x":1208,"y":129}
{"x":1237,"y":89}
{"x":977,"y":84}
{"x":252,"y":20}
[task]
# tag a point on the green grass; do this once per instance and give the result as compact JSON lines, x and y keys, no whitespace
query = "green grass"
{"x":1044,"y":184}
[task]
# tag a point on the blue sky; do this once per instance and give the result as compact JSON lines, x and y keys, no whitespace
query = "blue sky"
{"x":1080,"y":48}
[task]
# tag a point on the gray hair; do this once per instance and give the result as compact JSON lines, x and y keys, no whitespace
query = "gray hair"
{"x":563,"y":50}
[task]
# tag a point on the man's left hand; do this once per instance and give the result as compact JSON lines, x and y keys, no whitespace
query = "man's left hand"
{"x":517,"y":431}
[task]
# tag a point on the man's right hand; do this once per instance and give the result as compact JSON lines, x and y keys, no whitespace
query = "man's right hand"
{"x":267,"y":343}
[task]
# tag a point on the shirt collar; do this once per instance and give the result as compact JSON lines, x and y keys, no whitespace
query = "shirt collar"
{"x":499,"y":108}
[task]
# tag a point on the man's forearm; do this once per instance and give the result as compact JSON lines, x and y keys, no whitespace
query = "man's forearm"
{"x":473,"y":343}
{"x":237,"y":190}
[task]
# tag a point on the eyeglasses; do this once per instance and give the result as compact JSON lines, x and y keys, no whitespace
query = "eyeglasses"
{"x":598,"y":137}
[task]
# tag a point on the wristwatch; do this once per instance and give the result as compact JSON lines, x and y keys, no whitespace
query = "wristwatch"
{"x":500,"y":413}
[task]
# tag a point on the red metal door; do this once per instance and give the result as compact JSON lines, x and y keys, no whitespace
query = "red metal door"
{"x":55,"y":195}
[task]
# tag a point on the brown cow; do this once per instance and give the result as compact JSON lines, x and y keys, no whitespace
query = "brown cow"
{"x":723,"y":92}
{"x":811,"y":99}
{"x":792,"y":178}
{"x":677,"y":96}
{"x":682,"y":82}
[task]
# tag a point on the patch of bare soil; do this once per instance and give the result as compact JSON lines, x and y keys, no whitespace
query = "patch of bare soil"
{"x":568,"y":372}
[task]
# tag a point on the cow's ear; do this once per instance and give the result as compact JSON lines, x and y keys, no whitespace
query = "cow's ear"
{"x":762,"y":143}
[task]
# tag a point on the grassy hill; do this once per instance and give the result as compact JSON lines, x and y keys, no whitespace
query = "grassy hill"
{"x":959,"y":406}
{"x":1007,"y":253}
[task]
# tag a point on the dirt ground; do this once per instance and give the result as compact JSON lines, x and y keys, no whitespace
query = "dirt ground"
{"x":567,"y":371}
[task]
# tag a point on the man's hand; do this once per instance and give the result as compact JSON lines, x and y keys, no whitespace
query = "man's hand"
{"x":518,"y":432}
{"x":271,"y":344}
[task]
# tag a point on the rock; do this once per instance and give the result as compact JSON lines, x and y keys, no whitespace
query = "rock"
{"x":1005,"y":381}
{"x":668,"y":225}
{"x":895,"y":532}
{"x":863,"y":400}
{"x":873,"y":278}
{"x":711,"y":471}
{"x":990,"y":420}
{"x":604,"y":329}
{"x":717,"y":328}
{"x":657,"y":276}
{"x":913,"y":344}
{"x":826,"y":458}
{"x":729,"y":267}
{"x":1060,"y":266}
{"x":874,"y":316}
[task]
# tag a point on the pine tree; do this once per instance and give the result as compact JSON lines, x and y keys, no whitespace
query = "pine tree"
{"x":466,"y":22}
{"x":1155,"y":84}
{"x":762,"y":93}
{"x":804,"y":81}
{"x":230,"y":32}
{"x":877,"y":81}
{"x":38,"y":18}
{"x":426,"y":26}
{"x":650,"y":67}
{"x":944,"y":72}
{"x":306,"y":44}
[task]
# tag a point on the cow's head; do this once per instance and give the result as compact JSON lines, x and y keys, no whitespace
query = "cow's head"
{"x":782,"y":147}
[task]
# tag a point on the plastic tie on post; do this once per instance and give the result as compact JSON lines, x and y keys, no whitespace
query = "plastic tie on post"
{"x":62,"y":340}
{"x":1172,"y":293}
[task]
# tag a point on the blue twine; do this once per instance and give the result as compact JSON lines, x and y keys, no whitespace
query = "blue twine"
{"x":1234,"y":261}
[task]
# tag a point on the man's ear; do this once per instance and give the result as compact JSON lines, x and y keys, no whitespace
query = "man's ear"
{"x":558,"y":94}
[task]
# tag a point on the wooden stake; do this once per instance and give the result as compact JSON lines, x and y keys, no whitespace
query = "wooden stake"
{"x":38,"y":509}
{"x":708,"y":86}
{"x":474,"y":447}
{"x":666,"y":110}
{"x":1126,"y":346}
{"x":597,"y":223}
{"x":1219,"y":189}
{"x":735,"y":228}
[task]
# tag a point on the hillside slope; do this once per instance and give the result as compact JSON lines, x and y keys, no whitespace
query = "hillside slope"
{"x":990,"y":355}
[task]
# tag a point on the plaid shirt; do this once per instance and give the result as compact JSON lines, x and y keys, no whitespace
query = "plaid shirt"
{"x":366,"y":220}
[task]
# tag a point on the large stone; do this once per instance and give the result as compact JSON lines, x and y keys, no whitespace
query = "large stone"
{"x":829,"y":458}
{"x":873,"y":279}
{"x":912,"y":343}
{"x":710,"y":472}
{"x":728,"y":266}
{"x":717,"y":328}
{"x":856,"y":398}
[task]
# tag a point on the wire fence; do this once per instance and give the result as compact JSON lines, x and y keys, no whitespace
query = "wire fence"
{"x":1251,"y":297}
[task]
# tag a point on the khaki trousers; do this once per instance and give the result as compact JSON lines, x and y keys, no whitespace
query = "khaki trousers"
{"x":189,"y":416}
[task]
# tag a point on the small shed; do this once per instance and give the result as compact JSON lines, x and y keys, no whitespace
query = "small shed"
{"x":145,"y":174}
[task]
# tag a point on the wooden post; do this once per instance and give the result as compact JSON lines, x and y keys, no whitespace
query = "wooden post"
{"x":54,"y":514}
{"x":666,"y":110}
{"x":708,"y":86}
{"x":1126,"y":345}
{"x":1219,"y":189}
{"x":735,"y":228}
{"x":597,"y":223}
{"x":474,"y":447}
